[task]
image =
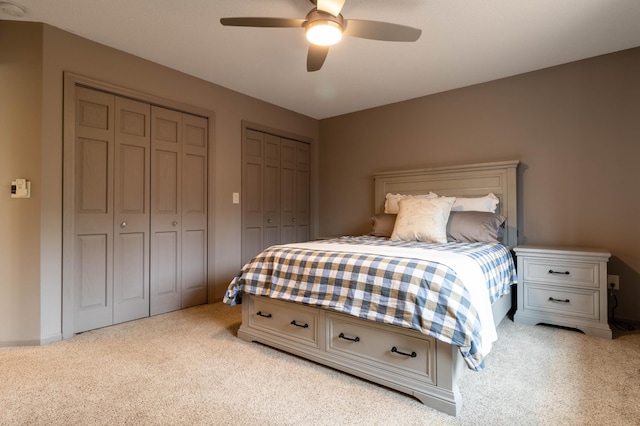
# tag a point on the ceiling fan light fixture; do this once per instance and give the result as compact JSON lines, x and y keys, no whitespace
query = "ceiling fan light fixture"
{"x":13,"y":9}
{"x":324,"y":32}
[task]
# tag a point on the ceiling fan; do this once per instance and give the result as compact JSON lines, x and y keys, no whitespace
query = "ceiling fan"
{"x":324,"y":26}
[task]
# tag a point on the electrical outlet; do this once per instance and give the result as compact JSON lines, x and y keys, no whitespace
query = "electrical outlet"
{"x":613,"y":282}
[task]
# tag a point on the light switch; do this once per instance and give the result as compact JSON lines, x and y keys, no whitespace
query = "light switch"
{"x":236,"y":198}
{"x":20,"y":188}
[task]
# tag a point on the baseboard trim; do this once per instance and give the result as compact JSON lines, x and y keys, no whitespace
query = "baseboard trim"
{"x":51,"y":339}
{"x":45,"y":341}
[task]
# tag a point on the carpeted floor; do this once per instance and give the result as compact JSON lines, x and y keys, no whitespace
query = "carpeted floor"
{"x":187,"y":367}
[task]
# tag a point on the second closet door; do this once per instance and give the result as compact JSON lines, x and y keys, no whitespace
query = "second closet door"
{"x":275,"y":188}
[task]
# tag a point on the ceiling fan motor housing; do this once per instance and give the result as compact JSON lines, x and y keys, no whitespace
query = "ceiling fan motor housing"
{"x":323,"y":28}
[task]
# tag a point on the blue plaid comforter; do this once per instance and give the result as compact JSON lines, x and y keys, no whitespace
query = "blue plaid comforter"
{"x":409,"y":292}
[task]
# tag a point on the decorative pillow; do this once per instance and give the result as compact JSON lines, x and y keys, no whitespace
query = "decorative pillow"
{"x":488,"y":203}
{"x":391,"y":201}
{"x":382,"y":225}
{"x":475,"y":226}
{"x":423,"y":219}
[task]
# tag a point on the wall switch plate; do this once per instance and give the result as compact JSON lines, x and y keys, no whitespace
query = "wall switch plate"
{"x":613,"y":282}
{"x":20,"y":188}
{"x":236,"y":198}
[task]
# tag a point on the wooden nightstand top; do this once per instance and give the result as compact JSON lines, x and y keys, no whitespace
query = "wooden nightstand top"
{"x":561,"y":251}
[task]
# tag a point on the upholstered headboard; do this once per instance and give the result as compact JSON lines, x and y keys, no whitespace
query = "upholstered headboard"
{"x":473,"y":180}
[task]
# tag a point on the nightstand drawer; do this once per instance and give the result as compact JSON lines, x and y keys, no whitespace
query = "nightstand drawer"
{"x":574,"y":302}
{"x":564,"y":273}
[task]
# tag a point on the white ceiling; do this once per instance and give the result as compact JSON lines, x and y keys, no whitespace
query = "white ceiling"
{"x":463,"y":42}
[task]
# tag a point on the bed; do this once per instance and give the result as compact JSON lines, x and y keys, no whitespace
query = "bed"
{"x":359,"y":304}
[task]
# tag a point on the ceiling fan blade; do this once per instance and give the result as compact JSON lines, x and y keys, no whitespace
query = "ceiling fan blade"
{"x":263,"y":22}
{"x":330,"y":6}
{"x":384,"y":31}
{"x":316,"y":56}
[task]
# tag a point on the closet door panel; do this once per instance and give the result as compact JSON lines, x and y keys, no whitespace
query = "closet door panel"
{"x":93,"y":180}
{"x":271,"y":221}
{"x":166,"y":267}
{"x":194,"y":268}
{"x":303,"y":162}
{"x":287,"y":191}
{"x":194,"y":177}
{"x":252,"y":200}
{"x":194,"y":210}
{"x":166,"y":227}
{"x":93,"y":277}
{"x":165,"y":194}
{"x":131,"y":207}
{"x":131,"y":275}
{"x":93,"y":213}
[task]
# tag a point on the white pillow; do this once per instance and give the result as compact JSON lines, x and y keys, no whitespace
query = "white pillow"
{"x":422,"y":219}
{"x":391,"y":202}
{"x":488,"y":203}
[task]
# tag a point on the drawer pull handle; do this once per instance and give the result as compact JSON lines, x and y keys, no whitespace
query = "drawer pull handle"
{"x":299,"y":325}
{"x":551,"y":271}
{"x":551,"y":299}
{"x":395,"y":350}
{"x":355,"y":339}
{"x":259,"y":313}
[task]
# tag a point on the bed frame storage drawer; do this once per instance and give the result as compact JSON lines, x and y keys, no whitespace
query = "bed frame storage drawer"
{"x":431,"y":375}
{"x":284,"y":318}
{"x":584,"y":274}
{"x":403,"y":351}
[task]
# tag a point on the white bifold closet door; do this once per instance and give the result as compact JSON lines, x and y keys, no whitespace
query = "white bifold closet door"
{"x":140,"y":210}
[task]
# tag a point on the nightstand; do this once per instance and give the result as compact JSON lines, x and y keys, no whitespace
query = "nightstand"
{"x":563,"y":286}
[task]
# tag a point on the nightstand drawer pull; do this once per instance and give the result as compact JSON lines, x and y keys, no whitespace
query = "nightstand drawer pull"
{"x":260,"y":314}
{"x":355,"y":339}
{"x":395,"y":350}
{"x":299,"y":325}
{"x":551,"y":299}
{"x":551,"y":271}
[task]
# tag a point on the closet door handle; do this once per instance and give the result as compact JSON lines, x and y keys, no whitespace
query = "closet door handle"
{"x":123,"y":225}
{"x":293,"y":219}
{"x":174,"y":223}
{"x":269,"y":220}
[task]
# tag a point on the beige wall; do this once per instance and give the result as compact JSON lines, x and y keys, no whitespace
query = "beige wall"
{"x":30,"y":247}
{"x":575,"y":128}
{"x":20,"y":135}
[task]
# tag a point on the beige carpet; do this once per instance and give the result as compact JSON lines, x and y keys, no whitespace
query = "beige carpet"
{"x":188,"y":367}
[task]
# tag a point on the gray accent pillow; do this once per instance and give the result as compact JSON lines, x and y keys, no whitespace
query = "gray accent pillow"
{"x":473,"y":226}
{"x":383,"y":224}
